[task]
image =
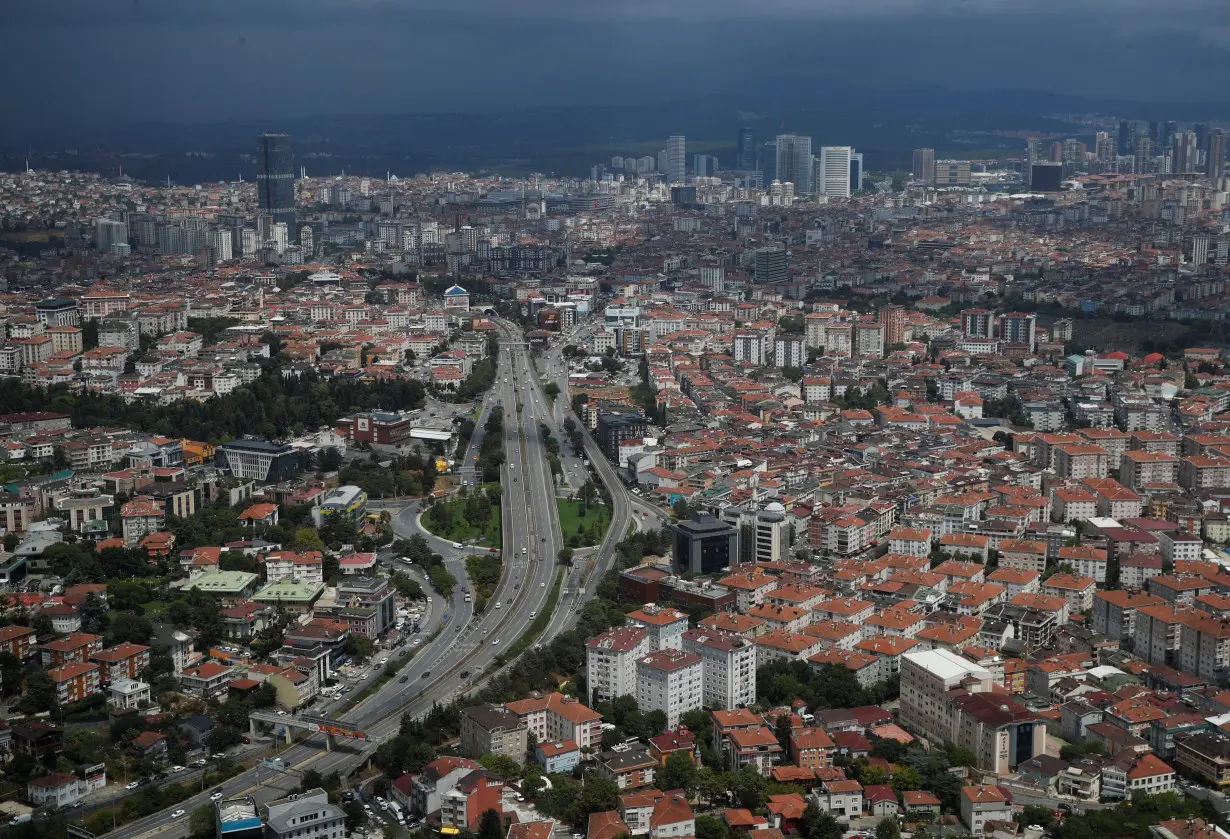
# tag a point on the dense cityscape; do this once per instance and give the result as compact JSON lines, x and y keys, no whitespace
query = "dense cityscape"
{"x":755,"y":497}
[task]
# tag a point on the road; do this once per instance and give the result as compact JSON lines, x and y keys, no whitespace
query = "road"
{"x":467,"y":644}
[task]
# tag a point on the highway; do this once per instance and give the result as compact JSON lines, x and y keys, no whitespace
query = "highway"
{"x":467,"y":644}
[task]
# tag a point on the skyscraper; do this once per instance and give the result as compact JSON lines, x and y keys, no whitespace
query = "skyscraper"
{"x":1169,"y":129}
{"x":924,"y":165}
{"x":834,"y":171}
{"x":1202,"y":135}
{"x":794,"y":162}
{"x":856,"y":172}
{"x":676,"y":158}
{"x":768,"y":161}
{"x":1184,"y":145}
{"x":1127,"y":137}
{"x":1144,"y":155}
{"x":745,"y":154}
{"x":1216,"y":157}
{"x":275,"y":178}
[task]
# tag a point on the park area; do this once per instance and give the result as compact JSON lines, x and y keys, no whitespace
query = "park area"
{"x":470,"y":517}
{"x":582,"y":525}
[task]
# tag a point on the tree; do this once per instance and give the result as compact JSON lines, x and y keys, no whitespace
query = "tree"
{"x":783,"y":729}
{"x":1033,"y":814}
{"x":887,"y":829}
{"x":711,"y":827}
{"x":502,"y":766}
{"x":817,"y":824}
{"x":490,"y":826}
{"x":40,"y":692}
{"x":679,"y":772}
{"x":906,"y":778}
{"x":751,"y":788}
{"x":201,"y":825}
{"x":565,"y":556}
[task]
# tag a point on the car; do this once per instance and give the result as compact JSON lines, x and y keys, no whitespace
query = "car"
{"x":533,"y":614}
{"x":177,"y":814}
{"x":497,"y":604}
{"x":281,"y":713}
{"x":496,"y":642}
{"x":542,"y":585}
{"x":218,"y":756}
{"x":217,"y":796}
{"x":132,"y":785}
{"x":175,"y":769}
{"x":362,"y":678}
{"x":403,"y":680}
{"x":245,"y":740}
{"x":426,"y":673}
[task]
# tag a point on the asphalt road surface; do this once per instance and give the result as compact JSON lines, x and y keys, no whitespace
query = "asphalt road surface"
{"x":467,"y":643}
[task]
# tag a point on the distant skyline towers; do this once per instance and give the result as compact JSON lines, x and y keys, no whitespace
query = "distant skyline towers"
{"x":1183,"y":144}
{"x":794,"y":162}
{"x":745,"y":150}
{"x":275,"y":178}
{"x":768,"y":161}
{"x":834,"y":174}
{"x":676,"y":158}
{"x":1127,"y":137}
{"x":1216,"y":156}
{"x":924,"y":165}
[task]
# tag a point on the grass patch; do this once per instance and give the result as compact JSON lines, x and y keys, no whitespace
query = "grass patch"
{"x":582,"y":526}
{"x":449,"y":520}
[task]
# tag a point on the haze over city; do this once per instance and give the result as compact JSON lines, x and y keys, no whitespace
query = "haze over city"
{"x":633,"y":420}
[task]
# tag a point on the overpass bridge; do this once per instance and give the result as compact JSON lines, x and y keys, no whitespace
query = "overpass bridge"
{"x":290,"y":723}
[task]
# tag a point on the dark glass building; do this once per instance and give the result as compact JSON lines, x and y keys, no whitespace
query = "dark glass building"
{"x":703,"y":545}
{"x":275,"y":178}
{"x":745,"y":155}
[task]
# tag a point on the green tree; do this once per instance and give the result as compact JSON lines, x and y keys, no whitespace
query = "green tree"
{"x":887,"y":829}
{"x":201,"y":825}
{"x":502,"y":766}
{"x":711,"y":827}
{"x":490,"y":826}
{"x":818,"y":824}
{"x":40,"y":692}
{"x":679,"y":772}
{"x":751,"y":788}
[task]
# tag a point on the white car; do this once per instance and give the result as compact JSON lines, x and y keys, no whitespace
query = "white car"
{"x":533,"y":614}
{"x":177,"y":814}
{"x":496,"y":642}
{"x":217,"y":796}
{"x":497,"y":604}
{"x":363,"y":677}
{"x":177,"y":769}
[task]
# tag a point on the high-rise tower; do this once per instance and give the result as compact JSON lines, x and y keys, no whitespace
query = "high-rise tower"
{"x":676,"y":158}
{"x":794,"y":163}
{"x":275,"y":178}
{"x":745,"y":155}
{"x":1216,"y":156}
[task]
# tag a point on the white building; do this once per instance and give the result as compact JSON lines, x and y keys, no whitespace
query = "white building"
{"x":611,"y":661}
{"x":670,"y":681}
{"x":728,"y":664}
{"x":834,"y":171}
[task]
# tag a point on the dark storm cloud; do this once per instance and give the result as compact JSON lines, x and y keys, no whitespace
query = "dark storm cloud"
{"x":73,"y":61}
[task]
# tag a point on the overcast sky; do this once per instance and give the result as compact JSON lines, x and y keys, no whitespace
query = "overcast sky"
{"x":67,"y":62}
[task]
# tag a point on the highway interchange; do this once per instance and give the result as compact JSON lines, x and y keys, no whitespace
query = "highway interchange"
{"x":467,"y":644}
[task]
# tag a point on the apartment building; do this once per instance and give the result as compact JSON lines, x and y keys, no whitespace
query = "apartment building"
{"x":670,"y":681}
{"x":1000,"y":731}
{"x":1204,"y":647}
{"x":1076,"y":590}
{"x":1138,"y":467}
{"x":664,"y":624}
{"x":611,"y":661}
{"x":493,"y":729}
{"x":557,"y":718}
{"x":728,"y":664}
{"x":1114,"y":612}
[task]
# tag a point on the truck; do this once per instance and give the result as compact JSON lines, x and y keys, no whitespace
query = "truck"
{"x":395,"y":809}
{"x":22,"y":819}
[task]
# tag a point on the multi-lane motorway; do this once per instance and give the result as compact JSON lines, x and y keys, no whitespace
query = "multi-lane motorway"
{"x":467,"y":644}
